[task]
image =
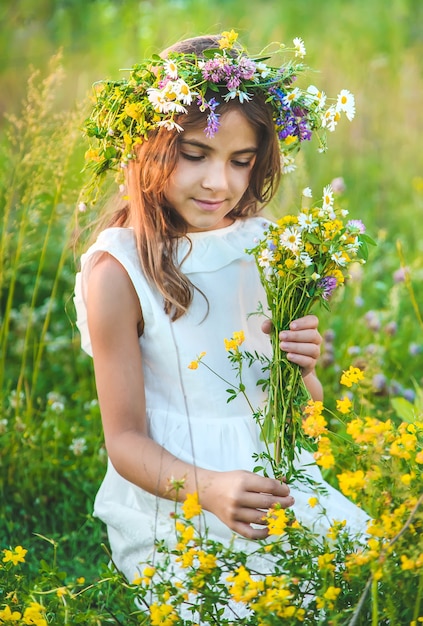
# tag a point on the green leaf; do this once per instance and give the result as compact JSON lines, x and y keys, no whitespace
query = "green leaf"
{"x":404,"y":409}
{"x":367,"y":239}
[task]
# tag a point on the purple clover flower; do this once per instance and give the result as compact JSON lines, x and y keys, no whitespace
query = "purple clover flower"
{"x":356,"y":225}
{"x":327,"y":285}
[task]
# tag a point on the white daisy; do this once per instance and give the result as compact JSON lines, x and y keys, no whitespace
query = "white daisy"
{"x":306,"y":222}
{"x":170,"y":125}
{"x":292,"y":96}
{"x":265,"y":258}
{"x":346,"y":103}
{"x":262,"y":69}
{"x":306,"y":259}
{"x":330,"y":118}
{"x":158,"y":100}
{"x":338,"y":258}
{"x":315,"y":95}
{"x":183,"y":92}
{"x":300,"y":50}
{"x":291,"y":238}
{"x":171,"y":69}
{"x":288,"y":164}
{"x":237,"y":93}
{"x":307,"y":193}
{"x":327,"y":198}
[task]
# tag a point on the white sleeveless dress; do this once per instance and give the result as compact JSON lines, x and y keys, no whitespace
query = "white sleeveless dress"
{"x":187,"y":409}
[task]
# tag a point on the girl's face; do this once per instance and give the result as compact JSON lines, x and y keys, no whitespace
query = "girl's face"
{"x":212,"y":174}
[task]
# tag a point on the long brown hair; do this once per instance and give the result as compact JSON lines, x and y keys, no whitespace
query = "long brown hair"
{"x":157,"y":226}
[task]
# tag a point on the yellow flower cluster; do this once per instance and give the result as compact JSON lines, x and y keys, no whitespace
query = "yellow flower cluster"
{"x":324,"y":454}
{"x":191,"y":507}
{"x":163,"y":614}
{"x":315,"y":424}
{"x":34,"y":614}
{"x":351,"y":376}
{"x":328,"y":599}
{"x":351,"y":483}
{"x":15,"y":556}
{"x":194,"y":364}
{"x":268,"y":595}
{"x":276,"y":520}
{"x":237,"y":339}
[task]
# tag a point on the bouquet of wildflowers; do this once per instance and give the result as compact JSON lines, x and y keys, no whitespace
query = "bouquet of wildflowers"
{"x":302,"y":259}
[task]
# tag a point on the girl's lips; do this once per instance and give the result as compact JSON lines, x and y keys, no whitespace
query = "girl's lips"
{"x":208,"y":205}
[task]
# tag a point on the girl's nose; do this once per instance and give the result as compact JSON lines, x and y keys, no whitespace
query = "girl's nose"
{"x":215,"y":176}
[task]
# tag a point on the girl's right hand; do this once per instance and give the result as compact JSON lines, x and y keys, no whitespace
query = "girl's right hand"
{"x":240,"y":498}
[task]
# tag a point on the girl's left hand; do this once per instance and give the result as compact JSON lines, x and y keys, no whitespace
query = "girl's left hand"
{"x":301,"y":342}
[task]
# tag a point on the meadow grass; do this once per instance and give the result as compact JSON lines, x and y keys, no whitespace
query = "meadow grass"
{"x":52,"y":453}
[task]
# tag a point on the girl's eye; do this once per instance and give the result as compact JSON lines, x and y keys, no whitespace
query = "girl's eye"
{"x":191,"y":157}
{"x":242,"y":163}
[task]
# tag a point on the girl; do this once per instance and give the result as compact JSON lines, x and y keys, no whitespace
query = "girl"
{"x":169,"y":279}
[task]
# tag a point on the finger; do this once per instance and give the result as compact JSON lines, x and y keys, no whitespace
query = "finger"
{"x":267,"y":327}
{"x":258,"y":484}
{"x":308,"y":321}
{"x":249,"y":532}
{"x":263,"y":501}
{"x":311,"y":336}
{"x":308,"y":350}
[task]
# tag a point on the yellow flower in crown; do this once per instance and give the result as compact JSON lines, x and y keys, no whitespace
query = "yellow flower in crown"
{"x":228,"y":39}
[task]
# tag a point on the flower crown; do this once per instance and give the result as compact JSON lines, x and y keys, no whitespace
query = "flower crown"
{"x":159,"y":90}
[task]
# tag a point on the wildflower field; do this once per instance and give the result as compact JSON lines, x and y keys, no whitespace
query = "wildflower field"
{"x":368,"y":437}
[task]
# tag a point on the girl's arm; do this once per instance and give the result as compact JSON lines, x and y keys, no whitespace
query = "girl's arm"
{"x":238,"y":498}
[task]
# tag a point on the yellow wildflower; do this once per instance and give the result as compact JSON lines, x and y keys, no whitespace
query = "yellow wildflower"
{"x":194,"y":364}
{"x":15,"y":556}
{"x":236,"y":340}
{"x":328,"y":599}
{"x":228,"y":39}
{"x":6,"y":615}
{"x":186,"y":559}
{"x":407,"y":563}
{"x":407,"y":478}
{"x":133,"y":109}
{"x":324,"y":561}
{"x":34,"y":614}
{"x":191,"y":507}
{"x":243,"y":588}
{"x":351,"y":482}
{"x":324,"y":456}
{"x":335,"y":529}
{"x":351,"y":376}
{"x":162,"y":615}
{"x":206,"y":562}
{"x":344,"y":405}
{"x":276,"y":520}
{"x":315,"y":424}
{"x":313,"y":501}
